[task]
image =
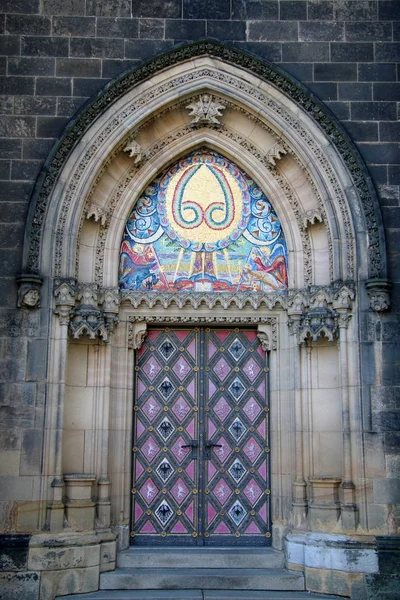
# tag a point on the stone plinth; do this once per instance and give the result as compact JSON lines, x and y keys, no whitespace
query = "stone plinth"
{"x":79,"y":504}
{"x":324,"y":507}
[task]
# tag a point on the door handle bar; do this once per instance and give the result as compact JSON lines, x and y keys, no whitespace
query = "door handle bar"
{"x":194,"y":444}
{"x":208,"y":445}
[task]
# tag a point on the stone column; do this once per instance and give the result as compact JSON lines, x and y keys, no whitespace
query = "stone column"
{"x":299,"y":502}
{"x":64,"y":292}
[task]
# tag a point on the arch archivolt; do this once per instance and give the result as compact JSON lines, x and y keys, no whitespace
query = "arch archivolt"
{"x":254,"y":121}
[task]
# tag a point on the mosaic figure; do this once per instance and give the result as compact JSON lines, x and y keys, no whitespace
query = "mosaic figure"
{"x":203,"y":225}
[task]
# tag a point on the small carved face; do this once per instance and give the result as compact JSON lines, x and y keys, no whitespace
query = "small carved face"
{"x":31,"y":298}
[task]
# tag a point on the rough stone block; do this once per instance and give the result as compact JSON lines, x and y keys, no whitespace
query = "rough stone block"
{"x":31,"y":452}
{"x":118,"y":28}
{"x":355,"y":10}
{"x":373,"y":111}
{"x":381,"y":154}
{"x":20,"y":6}
{"x":382,"y":587}
{"x":387,"y":52}
{"x":26,"y":105}
{"x":252,"y":10}
{"x":302,"y":71}
{"x":352,"y":52}
{"x":14,"y":212}
{"x":293,"y":10}
{"x":31,"y":66}
{"x":28,"y":24}
{"x":321,"y":32}
{"x":95,"y":48}
{"x":13,"y":191}
{"x":88,"y":87}
{"x":9,"y":148}
{"x":108,"y":556}
{"x":17,"y":86}
{"x":66,"y":107}
{"x":376,"y":72}
{"x":394,"y":175}
{"x":260,"y":31}
{"x":208,"y":9}
{"x":365,"y":32}
{"x":228,"y":30}
{"x":335,"y":72}
{"x":305,"y":52}
{"x":19,"y":586}
{"x":324,"y":90}
{"x":271,"y":51}
{"x":113,"y":68}
{"x":14,"y":552}
{"x":388,"y":10}
{"x":143,"y":49}
{"x":76,"y":26}
{"x":27,"y":170}
{"x":387,"y":491}
{"x":355,"y":91}
{"x":63,"y":7}
{"x":53,"y":86}
{"x":50,"y":127}
{"x":151,"y":29}
{"x":78,"y":67}
{"x":185,"y":29}
{"x":71,"y":581}
{"x":109,"y":8}
{"x":3,"y":65}
{"x":5,"y":169}
{"x":44,"y":46}
{"x":10,"y":45}
{"x":6,"y":105}
{"x":361,"y":131}
{"x":37,"y":149}
{"x":387,"y":91}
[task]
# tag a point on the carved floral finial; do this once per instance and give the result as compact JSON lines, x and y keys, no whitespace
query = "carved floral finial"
{"x":205,"y":110}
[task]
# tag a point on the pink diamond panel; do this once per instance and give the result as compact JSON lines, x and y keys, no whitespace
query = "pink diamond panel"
{"x":224,"y":451}
{"x":151,"y":368}
{"x":179,"y":452}
{"x":180,"y":408}
{"x":150,"y":449}
{"x":222,"y":491}
{"x":252,"y":409}
{"x":251,"y":369}
{"x":252,"y":491}
{"x":179,"y":491}
{"x":151,"y":408}
{"x":148,"y":491}
{"x":252,"y":450}
{"x":181,"y":368}
{"x":222,"y":409}
{"x":221,"y":369}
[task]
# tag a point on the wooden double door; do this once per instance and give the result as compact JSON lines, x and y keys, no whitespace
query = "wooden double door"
{"x":201,"y":439}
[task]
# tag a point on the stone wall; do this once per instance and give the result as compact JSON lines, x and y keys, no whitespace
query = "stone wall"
{"x":56,"y":54}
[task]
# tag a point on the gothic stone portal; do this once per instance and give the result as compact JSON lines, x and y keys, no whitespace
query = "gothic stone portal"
{"x":201,"y":453}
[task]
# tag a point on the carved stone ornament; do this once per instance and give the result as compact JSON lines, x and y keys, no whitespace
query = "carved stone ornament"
{"x":64,"y":292}
{"x":98,"y":214}
{"x":137,"y":333}
{"x":275,"y":153}
{"x":317,"y":322}
{"x":136,"y":152}
{"x":109,"y":298}
{"x":267,"y":336}
{"x":88,"y":321}
{"x":311,"y":217}
{"x":29,"y":291}
{"x":205,"y":111}
{"x":88,"y":294}
{"x":379,"y":294}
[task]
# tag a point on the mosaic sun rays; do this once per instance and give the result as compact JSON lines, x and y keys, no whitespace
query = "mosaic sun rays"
{"x":203,"y":225}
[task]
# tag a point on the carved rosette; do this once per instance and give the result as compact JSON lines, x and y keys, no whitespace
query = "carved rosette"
{"x":379,"y":294}
{"x":136,"y":152}
{"x":206,"y":110}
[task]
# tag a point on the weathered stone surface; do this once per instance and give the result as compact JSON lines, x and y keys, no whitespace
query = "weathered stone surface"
{"x":70,"y":581}
{"x":52,"y":559}
{"x":19,"y":586}
{"x":14,"y":552}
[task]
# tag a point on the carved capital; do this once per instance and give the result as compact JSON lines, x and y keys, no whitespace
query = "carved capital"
{"x":88,"y":321}
{"x":275,"y":153}
{"x":297,"y":303}
{"x":379,"y":294}
{"x":136,"y":152}
{"x":312,"y":216}
{"x":343,"y":298}
{"x":64,"y":292}
{"x":98,"y":214}
{"x":316,"y":323}
{"x":88,"y":294}
{"x":29,"y":291}
{"x":137,"y":333}
{"x":205,"y":111}
{"x":109,"y":298}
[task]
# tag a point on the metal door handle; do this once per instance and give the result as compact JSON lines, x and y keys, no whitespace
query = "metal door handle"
{"x":194,"y":444}
{"x":209,"y":444}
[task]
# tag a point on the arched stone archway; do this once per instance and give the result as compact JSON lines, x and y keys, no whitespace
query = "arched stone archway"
{"x":276,"y":132}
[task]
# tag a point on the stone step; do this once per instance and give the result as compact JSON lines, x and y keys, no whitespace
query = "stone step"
{"x":197,"y":595}
{"x":215,"y":558}
{"x":202,"y":579}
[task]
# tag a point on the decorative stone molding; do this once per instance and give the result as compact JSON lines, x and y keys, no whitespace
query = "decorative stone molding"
{"x":267,"y":335}
{"x":267,"y":72}
{"x":64,"y":291}
{"x":316,"y":323}
{"x":137,"y":332}
{"x":29,"y":291}
{"x":136,"y":152}
{"x":88,"y":294}
{"x":88,"y":319}
{"x":312,"y":216}
{"x":343,"y":298}
{"x":275,"y":153}
{"x":197,"y":320}
{"x":379,"y":294}
{"x":109,"y":298}
{"x":205,"y":111}
{"x":98,"y":214}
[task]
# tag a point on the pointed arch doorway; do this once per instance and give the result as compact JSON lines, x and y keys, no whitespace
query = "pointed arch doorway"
{"x":201,"y":453}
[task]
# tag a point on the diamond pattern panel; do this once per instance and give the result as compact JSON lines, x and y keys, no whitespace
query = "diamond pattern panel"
{"x":165,"y":479}
{"x":236,"y":419}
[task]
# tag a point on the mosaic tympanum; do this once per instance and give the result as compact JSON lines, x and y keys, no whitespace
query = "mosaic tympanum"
{"x":203,"y":225}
